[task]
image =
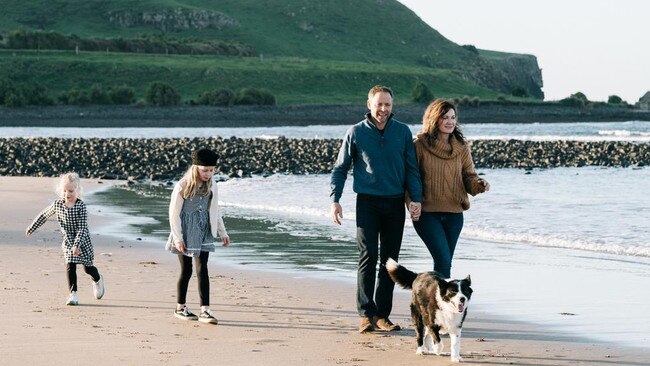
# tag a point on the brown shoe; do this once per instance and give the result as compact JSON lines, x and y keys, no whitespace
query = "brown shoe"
{"x":366,"y":325}
{"x":386,"y":325}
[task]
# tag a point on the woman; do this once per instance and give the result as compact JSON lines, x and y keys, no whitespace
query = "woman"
{"x":448,"y":175}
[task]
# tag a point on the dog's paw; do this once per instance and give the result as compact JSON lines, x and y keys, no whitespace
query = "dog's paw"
{"x":437,"y":348}
{"x":456,"y":359}
{"x":423,"y":351}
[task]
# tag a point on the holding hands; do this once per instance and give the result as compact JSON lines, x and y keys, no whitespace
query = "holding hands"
{"x":485,"y":184}
{"x":415,"y":209}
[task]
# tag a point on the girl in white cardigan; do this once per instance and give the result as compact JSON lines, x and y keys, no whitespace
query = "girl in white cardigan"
{"x":195,"y":222}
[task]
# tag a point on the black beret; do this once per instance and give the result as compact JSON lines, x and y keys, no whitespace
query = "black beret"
{"x":204,"y":157}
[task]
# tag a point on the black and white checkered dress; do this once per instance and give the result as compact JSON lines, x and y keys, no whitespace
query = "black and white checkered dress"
{"x":74,"y":226}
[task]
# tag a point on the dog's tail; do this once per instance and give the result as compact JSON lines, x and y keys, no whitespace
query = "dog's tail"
{"x":400,"y":274}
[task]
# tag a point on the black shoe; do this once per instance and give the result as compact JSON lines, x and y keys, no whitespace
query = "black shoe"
{"x":185,"y":314}
{"x":206,"y":317}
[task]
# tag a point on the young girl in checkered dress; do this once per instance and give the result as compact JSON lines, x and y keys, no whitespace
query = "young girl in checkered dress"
{"x":195,"y":222}
{"x":72,"y":216}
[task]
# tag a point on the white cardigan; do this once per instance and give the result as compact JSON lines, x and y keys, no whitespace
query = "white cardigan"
{"x":176,"y":205}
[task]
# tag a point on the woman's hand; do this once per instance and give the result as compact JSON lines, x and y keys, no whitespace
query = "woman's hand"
{"x":226,"y":241}
{"x":415,"y":209}
{"x":76,"y":251}
{"x":486,"y":185}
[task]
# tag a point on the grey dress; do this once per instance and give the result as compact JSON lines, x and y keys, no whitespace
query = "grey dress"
{"x":74,"y":226}
{"x":195,"y":223}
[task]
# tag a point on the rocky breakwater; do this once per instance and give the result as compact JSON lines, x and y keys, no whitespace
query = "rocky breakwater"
{"x":167,"y":159}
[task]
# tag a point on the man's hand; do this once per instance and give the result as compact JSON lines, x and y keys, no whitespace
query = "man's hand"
{"x":415,"y":209}
{"x":336,"y":212}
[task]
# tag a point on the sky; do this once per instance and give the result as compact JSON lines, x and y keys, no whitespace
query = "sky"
{"x":598,"y":47}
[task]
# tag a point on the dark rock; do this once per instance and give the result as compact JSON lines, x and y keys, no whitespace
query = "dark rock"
{"x":165,"y":160}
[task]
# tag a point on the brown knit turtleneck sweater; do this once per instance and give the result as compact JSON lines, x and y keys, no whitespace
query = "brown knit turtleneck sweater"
{"x":448,"y":175}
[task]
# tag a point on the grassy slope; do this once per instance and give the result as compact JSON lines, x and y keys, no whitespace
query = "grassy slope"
{"x":361,"y":30}
{"x":291,"y":80}
{"x":314,"y":51}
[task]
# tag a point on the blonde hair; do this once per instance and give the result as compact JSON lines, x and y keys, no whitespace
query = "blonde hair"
{"x":69,"y":178}
{"x":431,"y":120}
{"x":193,"y":183}
{"x":379,"y":89}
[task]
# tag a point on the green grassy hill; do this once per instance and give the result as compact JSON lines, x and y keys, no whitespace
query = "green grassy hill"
{"x":328,"y":51}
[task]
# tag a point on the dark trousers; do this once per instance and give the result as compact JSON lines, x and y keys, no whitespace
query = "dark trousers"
{"x":379,"y":219}
{"x":440,"y":231}
{"x":71,"y":272}
{"x":201,"y":273}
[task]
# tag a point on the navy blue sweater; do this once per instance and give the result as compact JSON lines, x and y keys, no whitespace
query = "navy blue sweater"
{"x":383,"y":164}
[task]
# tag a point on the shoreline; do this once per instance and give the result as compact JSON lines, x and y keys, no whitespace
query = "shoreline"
{"x":265,"y":317}
{"x":296,"y":115}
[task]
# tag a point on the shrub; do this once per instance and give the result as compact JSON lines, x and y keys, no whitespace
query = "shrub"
{"x":14,"y":98}
{"x":579,"y":96}
{"x":218,"y":97}
{"x":36,"y":94}
{"x":161,"y":95}
{"x":74,"y":97}
{"x":470,"y":48}
{"x":421,"y":93}
{"x":575,"y":100}
{"x":519,"y":92}
{"x":6,"y":87}
{"x":614,"y":99}
{"x":475,"y":102}
{"x":251,"y":96}
{"x":121,"y":94}
{"x":98,"y":95}
{"x":29,"y":94}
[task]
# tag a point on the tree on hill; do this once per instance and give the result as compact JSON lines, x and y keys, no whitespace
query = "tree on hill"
{"x":614,"y":99}
{"x":162,"y":95}
{"x":121,"y":94}
{"x":217,"y":97}
{"x":421,"y":93}
{"x":578,"y":99}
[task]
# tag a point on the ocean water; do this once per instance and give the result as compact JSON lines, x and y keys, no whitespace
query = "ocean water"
{"x":577,"y":131}
{"x":565,"y":248}
{"x":568,"y":248}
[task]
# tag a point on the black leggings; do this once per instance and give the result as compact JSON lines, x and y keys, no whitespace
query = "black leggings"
{"x":71,"y":270}
{"x":202,"y":274}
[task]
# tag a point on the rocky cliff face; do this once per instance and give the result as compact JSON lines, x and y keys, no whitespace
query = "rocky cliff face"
{"x":172,"y":20}
{"x":507,"y":74}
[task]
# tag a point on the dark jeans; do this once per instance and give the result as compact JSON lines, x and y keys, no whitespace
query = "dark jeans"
{"x":71,"y":271}
{"x":201,"y":273}
{"x":378,"y":219}
{"x":440,"y":231}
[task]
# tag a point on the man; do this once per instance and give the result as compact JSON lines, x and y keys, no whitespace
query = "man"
{"x":381,"y":152}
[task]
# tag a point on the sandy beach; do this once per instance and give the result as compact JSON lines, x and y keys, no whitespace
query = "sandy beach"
{"x":265,"y":318}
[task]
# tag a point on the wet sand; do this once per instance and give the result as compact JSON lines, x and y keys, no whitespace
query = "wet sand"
{"x":267,"y":318}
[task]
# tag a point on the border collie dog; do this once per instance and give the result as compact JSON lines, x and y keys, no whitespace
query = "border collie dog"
{"x":439,"y":306}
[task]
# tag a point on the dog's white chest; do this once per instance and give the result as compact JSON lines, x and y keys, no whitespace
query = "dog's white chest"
{"x":449,"y":322}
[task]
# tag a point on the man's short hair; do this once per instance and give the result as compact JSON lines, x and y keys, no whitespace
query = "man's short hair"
{"x":379,"y":89}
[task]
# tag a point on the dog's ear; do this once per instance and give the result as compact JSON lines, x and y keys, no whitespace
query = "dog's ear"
{"x":468,"y":279}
